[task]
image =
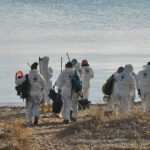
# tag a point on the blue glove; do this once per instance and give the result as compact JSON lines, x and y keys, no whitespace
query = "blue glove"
{"x":59,"y":94}
{"x":139,"y":92}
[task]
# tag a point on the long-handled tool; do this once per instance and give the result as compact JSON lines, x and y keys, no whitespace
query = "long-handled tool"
{"x":61,"y":63}
{"x":40,"y":64}
{"x":68,"y":56}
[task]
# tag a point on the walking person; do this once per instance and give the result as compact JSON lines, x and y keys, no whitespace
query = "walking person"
{"x":37,"y":85}
{"x":125,"y":89}
{"x":144,"y":87}
{"x":64,"y":84}
{"x":47,"y":73}
{"x":87,"y":76}
{"x":108,"y":89}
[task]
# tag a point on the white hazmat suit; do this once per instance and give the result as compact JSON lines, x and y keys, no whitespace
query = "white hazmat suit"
{"x":65,"y":85}
{"x":87,"y":76}
{"x":37,"y":83}
{"x":125,"y":89}
{"x":47,"y":73}
{"x":144,"y":86}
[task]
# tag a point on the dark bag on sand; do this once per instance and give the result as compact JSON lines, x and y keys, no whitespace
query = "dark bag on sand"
{"x":83,"y":103}
{"x":24,"y":89}
{"x":107,"y":88}
{"x":57,"y":102}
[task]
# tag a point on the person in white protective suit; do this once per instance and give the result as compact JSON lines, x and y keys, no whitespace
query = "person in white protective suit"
{"x":37,"y":84}
{"x":133,"y":92}
{"x":64,"y":84}
{"x":76,"y":96}
{"x":47,"y":73}
{"x":87,"y":76}
{"x":124,"y":90}
{"x":110,"y":106}
{"x":144,"y":87}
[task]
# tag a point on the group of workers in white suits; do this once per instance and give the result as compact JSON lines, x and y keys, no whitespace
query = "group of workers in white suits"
{"x":41,"y":83}
{"x":124,"y":88}
{"x":122,"y":98}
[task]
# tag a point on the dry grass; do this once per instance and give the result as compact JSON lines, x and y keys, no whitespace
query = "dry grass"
{"x":92,"y":131}
{"x":15,"y":136}
{"x":95,"y":131}
{"x":116,"y":131}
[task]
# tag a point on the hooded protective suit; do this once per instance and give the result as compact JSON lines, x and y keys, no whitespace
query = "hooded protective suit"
{"x":87,"y":76}
{"x":37,"y":86}
{"x":65,"y":85}
{"x":37,"y":83}
{"x":125,"y":89}
{"x":79,"y":70}
{"x":75,"y":96}
{"x":47,"y":73}
{"x":144,"y":87}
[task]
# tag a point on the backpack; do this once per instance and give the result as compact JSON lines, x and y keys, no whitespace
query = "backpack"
{"x":24,"y":89}
{"x":57,"y":102}
{"x":107,"y":88}
{"x":76,"y":83}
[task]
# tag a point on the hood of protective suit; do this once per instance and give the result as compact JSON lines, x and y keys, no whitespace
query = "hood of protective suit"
{"x":128,"y":68}
{"x":46,"y":72}
{"x":77,"y":65}
{"x":45,"y":60}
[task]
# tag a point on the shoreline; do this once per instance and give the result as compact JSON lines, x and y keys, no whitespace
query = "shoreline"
{"x":21,"y":107}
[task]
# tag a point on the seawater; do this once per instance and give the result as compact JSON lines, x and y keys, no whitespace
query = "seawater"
{"x":103,"y":66}
{"x":108,"y":33}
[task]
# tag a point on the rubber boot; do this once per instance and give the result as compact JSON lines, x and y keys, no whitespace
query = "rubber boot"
{"x":42,"y":108}
{"x":48,"y":108}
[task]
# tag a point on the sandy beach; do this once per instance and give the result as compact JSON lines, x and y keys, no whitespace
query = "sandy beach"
{"x":90,"y":132}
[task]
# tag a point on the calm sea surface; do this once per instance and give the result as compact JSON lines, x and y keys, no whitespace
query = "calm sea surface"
{"x":108,"y":33}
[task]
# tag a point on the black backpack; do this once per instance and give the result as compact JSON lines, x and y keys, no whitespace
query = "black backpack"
{"x":76,"y":83}
{"x":57,"y":102}
{"x":24,"y":89}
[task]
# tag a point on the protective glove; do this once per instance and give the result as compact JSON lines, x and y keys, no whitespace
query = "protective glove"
{"x":59,"y":94}
{"x":139,"y":92}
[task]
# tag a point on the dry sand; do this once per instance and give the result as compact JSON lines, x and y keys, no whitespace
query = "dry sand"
{"x":85,"y":134}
